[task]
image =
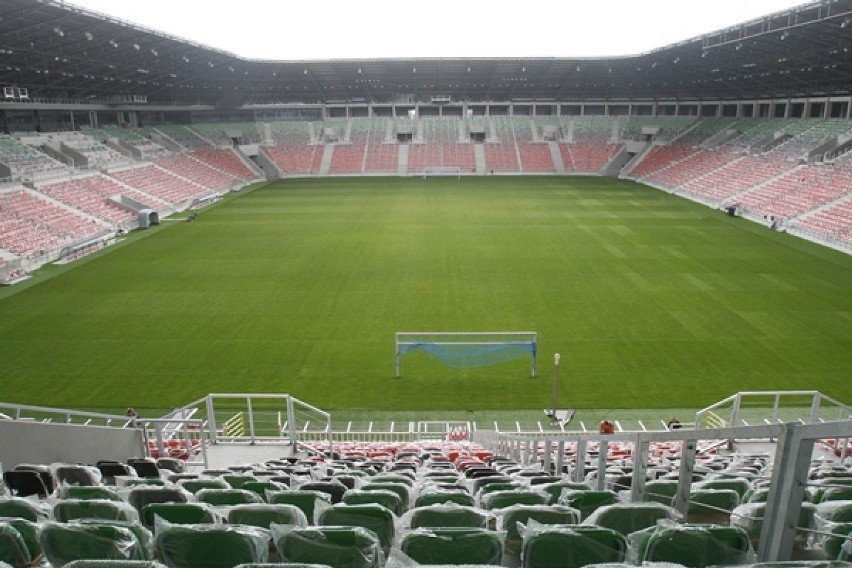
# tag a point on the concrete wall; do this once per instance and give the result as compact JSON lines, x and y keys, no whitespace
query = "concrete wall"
{"x":24,"y":441}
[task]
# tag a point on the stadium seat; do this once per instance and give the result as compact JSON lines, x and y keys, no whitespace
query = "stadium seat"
{"x":13,"y":548}
{"x":695,"y":546}
{"x":749,"y":517}
{"x":144,"y":467}
{"x":222,"y":497}
{"x":23,"y":508}
{"x":110,"y":470}
{"x":28,"y":531}
{"x":437,"y":496}
{"x":503,"y":499}
{"x":261,"y":488}
{"x":370,"y":516}
{"x":511,"y":517}
{"x":335,"y":489}
{"x":89,"y":492}
{"x":114,"y":564}
{"x":837,"y":545}
{"x":265,"y":514}
{"x":72,"y":509}
{"x":337,"y":547}
{"x":627,"y":518}
{"x":587,"y":501}
{"x":570,"y":546}
{"x":81,"y":475}
{"x":555,"y":489}
{"x":63,"y":543}
{"x":398,"y":487}
{"x":453,"y":546}
{"x":211,"y":546}
{"x":141,"y":496}
{"x":447,"y":515}
{"x":383,"y":497}
{"x":178,"y":514}
{"x":711,"y":506}
{"x":660,"y":491}
{"x":237,"y":480}
{"x":197,"y":484}
{"x":22,"y":483}
{"x":307,"y":501}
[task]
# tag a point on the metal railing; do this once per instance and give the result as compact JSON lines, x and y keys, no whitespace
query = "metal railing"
{"x":750,"y":407}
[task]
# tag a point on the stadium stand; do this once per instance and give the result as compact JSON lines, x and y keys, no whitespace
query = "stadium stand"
{"x":187,"y":166}
{"x":160,"y":183}
{"x":91,"y":194}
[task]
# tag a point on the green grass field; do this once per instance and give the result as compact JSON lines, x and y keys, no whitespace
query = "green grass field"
{"x":298,"y":286}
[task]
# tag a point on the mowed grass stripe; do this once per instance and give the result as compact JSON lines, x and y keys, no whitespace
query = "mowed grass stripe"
{"x":299,"y":286}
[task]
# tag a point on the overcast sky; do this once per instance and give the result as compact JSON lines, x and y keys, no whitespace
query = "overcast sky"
{"x":341,"y":29}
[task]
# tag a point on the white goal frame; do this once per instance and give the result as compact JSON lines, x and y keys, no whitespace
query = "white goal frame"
{"x":525,"y":338}
{"x":441,"y":171}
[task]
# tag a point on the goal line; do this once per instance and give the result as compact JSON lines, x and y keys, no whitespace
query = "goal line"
{"x":468,"y":349}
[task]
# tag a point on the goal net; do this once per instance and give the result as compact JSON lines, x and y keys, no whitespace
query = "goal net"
{"x":465,"y":350}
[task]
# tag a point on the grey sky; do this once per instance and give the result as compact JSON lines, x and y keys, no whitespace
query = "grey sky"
{"x":340,"y":29}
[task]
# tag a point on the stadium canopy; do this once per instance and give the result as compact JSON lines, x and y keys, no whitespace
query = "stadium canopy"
{"x":62,"y":53}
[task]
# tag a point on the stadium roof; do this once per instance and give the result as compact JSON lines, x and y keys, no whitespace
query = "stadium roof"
{"x":60,"y":51}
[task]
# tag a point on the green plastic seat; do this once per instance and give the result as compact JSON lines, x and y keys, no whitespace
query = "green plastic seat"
{"x":503,"y":499}
{"x":65,"y":542}
{"x":453,"y":546}
{"x":835,"y":511}
{"x":627,"y":518}
{"x":660,"y":491}
{"x":696,"y":546}
{"x":221,"y":497}
{"x":711,"y":506}
{"x":749,"y":517}
{"x":370,"y":516}
{"x":383,"y":497}
{"x":179,"y":514}
{"x":437,"y":496}
{"x":447,"y":515}
{"x":89,"y":492}
{"x":834,"y":544}
{"x":511,"y":517}
{"x":23,"y":508}
{"x":73,"y":509}
{"x":114,"y":564}
{"x":337,"y":547}
{"x":28,"y":531}
{"x":238,"y":480}
{"x":570,"y":546}
{"x":264,"y":487}
{"x":13,"y":548}
{"x":556,"y":488}
{"x":211,"y":546}
{"x":588,"y":501}
{"x":196,"y":485}
{"x":392,"y":478}
{"x":145,"y":495}
{"x":263,"y":515}
{"x":305,"y":500}
{"x":825,"y":484}
{"x":400,"y":488}
{"x":144,"y":482}
{"x":142,"y":534}
{"x":836,"y":494}
{"x":738,"y":484}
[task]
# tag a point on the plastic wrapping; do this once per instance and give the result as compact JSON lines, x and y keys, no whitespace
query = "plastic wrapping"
{"x":28,"y":531}
{"x":738,"y":484}
{"x":453,"y":546}
{"x":221,"y":497}
{"x":262,"y":487}
{"x":238,"y":480}
{"x":370,"y":516}
{"x":265,"y":514}
{"x":749,"y":516}
{"x":114,"y":564}
{"x":73,"y":509}
{"x":694,"y":546}
{"x":436,"y":496}
{"x":195,"y":485}
{"x":142,"y":534}
{"x":77,"y":475}
{"x":13,"y":547}
{"x":211,"y":546}
{"x":834,"y":512}
{"x":837,"y":546}
{"x":338,"y":547}
{"x":141,"y":496}
{"x":400,"y":488}
{"x":29,"y":508}
{"x":308,"y":501}
{"x":445,"y":515}
{"x":503,"y":499}
{"x":660,"y":491}
{"x":512,"y":518}
{"x":587,"y":501}
{"x":333,"y":488}
{"x":712,"y":505}
{"x":554,"y":490}
{"x":89,"y":492}
{"x":383,"y":497}
{"x":180,"y":514}
{"x":569,"y":546}
{"x":64,"y":542}
{"x":628,"y":518}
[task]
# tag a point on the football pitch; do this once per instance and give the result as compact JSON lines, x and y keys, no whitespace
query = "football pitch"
{"x":298,"y":287}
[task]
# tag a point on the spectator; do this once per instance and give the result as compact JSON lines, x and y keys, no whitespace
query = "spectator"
{"x":674,"y":424}
{"x":606,"y":427}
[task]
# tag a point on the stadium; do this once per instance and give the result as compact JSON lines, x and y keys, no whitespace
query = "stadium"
{"x":542,"y":311}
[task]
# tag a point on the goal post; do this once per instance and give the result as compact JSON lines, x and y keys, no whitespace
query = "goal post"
{"x":467,"y":349}
{"x":442,"y":171}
